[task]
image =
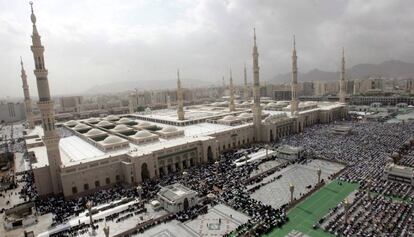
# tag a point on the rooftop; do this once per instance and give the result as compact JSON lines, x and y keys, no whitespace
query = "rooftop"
{"x":175,"y":192}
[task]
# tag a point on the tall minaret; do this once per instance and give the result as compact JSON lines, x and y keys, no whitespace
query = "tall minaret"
{"x":131,"y":105}
{"x":27,"y":100}
{"x":257,"y":110}
{"x":232,"y":107}
{"x":180,"y":99}
{"x":246,"y":88}
{"x":294,"y":104}
{"x":51,"y":137}
{"x":342,"y":81}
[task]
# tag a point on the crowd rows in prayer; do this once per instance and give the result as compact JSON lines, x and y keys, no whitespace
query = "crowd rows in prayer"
{"x":366,"y":150}
{"x":374,"y":216}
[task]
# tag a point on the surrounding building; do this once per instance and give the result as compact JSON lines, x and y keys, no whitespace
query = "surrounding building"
{"x":12,"y":112}
{"x":398,"y":173}
{"x":176,"y":197}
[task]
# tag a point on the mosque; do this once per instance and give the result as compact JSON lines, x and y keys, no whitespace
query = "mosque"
{"x":79,"y":157}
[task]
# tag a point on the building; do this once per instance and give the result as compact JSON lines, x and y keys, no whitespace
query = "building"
{"x":12,"y":112}
{"x":176,"y":197}
{"x":21,"y":215}
{"x":398,"y":173}
{"x":289,"y":152}
{"x":84,"y":155}
{"x":70,"y":104}
{"x":341,"y":130}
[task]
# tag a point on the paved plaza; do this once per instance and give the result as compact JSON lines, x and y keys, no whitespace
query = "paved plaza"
{"x":263,"y":167}
{"x":218,"y":221}
{"x":277,"y":193}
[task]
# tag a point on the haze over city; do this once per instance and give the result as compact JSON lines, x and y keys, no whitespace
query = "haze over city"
{"x":97,"y":42}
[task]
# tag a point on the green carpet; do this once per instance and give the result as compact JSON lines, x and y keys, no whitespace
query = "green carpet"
{"x":304,"y":215}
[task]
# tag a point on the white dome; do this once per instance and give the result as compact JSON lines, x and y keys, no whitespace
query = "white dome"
{"x":143,"y":134}
{"x":144,"y":124}
{"x":120,"y":127}
{"x":94,"y":132}
{"x":81,"y":126}
{"x":125,"y":120}
{"x":112,"y":140}
{"x":104,"y":124}
{"x":169,"y":129}
{"x":282,"y":103}
{"x":71,"y":123}
{"x":112,"y":117}
{"x":229,"y":118}
{"x":92,"y":120}
{"x":244,"y":115}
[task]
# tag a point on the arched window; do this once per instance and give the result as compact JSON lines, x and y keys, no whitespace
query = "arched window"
{"x":144,"y":172}
{"x":107,"y":180}
{"x":86,"y":187}
{"x":209,"y":154}
{"x":74,"y":190}
{"x":97,"y":184}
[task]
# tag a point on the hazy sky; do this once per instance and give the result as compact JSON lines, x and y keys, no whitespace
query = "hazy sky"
{"x":91,"y":42}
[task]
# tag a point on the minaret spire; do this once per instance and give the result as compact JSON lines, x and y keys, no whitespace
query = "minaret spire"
{"x":27,"y":100}
{"x":342,"y":79}
{"x":232,"y":107}
{"x":180,"y":99}
{"x":294,"y":104}
{"x":257,"y":110}
{"x":246,"y":88}
{"x":45,"y":104}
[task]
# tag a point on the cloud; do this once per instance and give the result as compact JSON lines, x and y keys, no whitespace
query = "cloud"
{"x":90,"y":42}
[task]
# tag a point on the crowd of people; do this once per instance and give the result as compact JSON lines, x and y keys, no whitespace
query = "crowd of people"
{"x":380,"y":216}
{"x":365,"y":151}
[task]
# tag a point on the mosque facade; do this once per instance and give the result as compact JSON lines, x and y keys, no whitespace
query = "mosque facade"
{"x":83,"y":156}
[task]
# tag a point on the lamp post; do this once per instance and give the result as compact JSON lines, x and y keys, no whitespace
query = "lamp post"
{"x":291,"y":189}
{"x":106,"y":230}
{"x":267,"y":151}
{"x":217,"y":164}
{"x":346,"y":207}
{"x":139,"y":191}
{"x":369,"y":189}
{"x":319,"y":172}
{"x":89,"y":207}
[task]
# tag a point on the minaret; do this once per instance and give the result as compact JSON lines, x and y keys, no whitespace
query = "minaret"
{"x":180,"y":99}
{"x":257,"y":110}
{"x":27,"y":100}
{"x":246,"y":88}
{"x":342,"y":81}
{"x":232,"y":107}
{"x":294,"y":104}
{"x":45,"y":104}
{"x":131,"y":103}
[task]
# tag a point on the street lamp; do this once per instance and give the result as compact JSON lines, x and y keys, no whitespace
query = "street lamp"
{"x":139,"y":191}
{"x":106,"y":230}
{"x":89,"y":207}
{"x":319,"y":172}
{"x":291,"y":189}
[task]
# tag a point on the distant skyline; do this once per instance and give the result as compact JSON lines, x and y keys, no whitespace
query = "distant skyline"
{"x":91,"y":42}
